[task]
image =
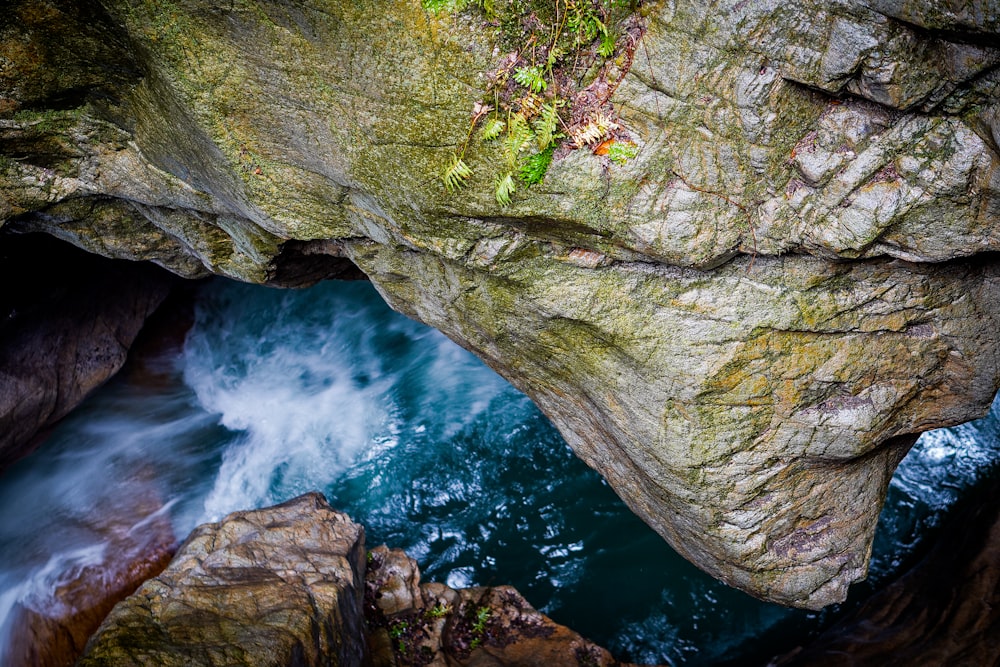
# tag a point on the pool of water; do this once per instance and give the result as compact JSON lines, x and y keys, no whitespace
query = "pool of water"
{"x":275,"y":393}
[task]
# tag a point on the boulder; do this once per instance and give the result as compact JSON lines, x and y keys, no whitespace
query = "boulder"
{"x":276,"y":586}
{"x":743,"y":326}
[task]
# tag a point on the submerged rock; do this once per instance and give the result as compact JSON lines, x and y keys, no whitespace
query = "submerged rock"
{"x":277,"y":586}
{"x":742,"y":328}
{"x":51,"y":627}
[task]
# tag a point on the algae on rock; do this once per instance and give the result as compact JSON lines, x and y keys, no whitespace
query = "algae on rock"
{"x":742,"y":328}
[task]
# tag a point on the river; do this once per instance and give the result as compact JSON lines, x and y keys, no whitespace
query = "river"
{"x":278,"y":392}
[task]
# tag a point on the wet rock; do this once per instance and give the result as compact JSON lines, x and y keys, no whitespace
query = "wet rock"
{"x":432,"y":624}
{"x":51,"y":627}
{"x":742,"y":328}
{"x":66,"y":329}
{"x":277,"y":586}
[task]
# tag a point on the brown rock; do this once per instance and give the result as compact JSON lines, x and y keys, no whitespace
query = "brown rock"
{"x":432,"y":624}
{"x":276,"y":586}
{"x":51,"y":630}
{"x":65,"y":332}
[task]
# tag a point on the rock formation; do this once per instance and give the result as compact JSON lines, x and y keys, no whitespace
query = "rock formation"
{"x":278,"y":586}
{"x":284,"y":586}
{"x":944,"y":611}
{"x":743,"y":328}
{"x":67,"y":327}
{"x":51,"y":627}
{"x":411,"y":623}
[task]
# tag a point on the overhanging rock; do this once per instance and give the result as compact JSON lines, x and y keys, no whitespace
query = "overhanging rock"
{"x":742,"y":328}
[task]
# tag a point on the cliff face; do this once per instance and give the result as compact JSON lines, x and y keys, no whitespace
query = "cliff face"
{"x":743,"y":328}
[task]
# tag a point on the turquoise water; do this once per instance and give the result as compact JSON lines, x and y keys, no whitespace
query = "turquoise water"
{"x":279,"y":392}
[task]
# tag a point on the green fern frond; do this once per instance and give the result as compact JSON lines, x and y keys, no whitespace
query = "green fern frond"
{"x":457,"y":174}
{"x":439,"y":6}
{"x":545,"y":126}
{"x":493,"y":128}
{"x":519,"y":136}
{"x":505,"y":188}
{"x":535,"y":166}
{"x":595,"y":27}
{"x":555,"y":53}
{"x":607,"y":46}
{"x":532,"y":78}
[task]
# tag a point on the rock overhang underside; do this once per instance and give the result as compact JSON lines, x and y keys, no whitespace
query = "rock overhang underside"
{"x":743,"y":328}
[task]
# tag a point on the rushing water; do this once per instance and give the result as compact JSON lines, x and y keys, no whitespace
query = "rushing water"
{"x":280,"y":392}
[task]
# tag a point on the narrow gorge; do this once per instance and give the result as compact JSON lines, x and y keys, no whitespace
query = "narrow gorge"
{"x":743,"y":255}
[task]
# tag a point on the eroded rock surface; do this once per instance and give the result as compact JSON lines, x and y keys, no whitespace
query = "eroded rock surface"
{"x":277,"y":586}
{"x":742,"y":329}
{"x":51,"y":626}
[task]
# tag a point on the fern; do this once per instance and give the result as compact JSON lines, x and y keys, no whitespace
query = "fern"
{"x":607,"y":46}
{"x":530,"y":105}
{"x":457,"y":174}
{"x":583,"y":23}
{"x":505,"y":188}
{"x":597,"y":127}
{"x":439,"y":6}
{"x":532,"y":78}
{"x":534,"y":167}
{"x":493,"y":128}
{"x":519,"y":136}
{"x":555,"y":53}
{"x":545,"y":126}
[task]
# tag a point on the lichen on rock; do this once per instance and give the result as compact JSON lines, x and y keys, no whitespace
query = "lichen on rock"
{"x":742,"y":328}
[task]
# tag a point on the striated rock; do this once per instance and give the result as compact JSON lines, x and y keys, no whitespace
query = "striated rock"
{"x":742,"y":329}
{"x":945,"y":611}
{"x":432,"y":624}
{"x":51,"y":629}
{"x":66,"y":329}
{"x":277,"y":586}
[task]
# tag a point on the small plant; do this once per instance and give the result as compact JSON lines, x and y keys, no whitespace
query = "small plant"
{"x":457,"y":174}
{"x":439,"y":610}
{"x":532,"y":78}
{"x":621,"y":152}
{"x":534,"y":87}
{"x":534,"y":167}
{"x":478,"y":630}
{"x":399,"y":630}
{"x":482,"y":617}
{"x":439,"y":6}
{"x":505,"y":188}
